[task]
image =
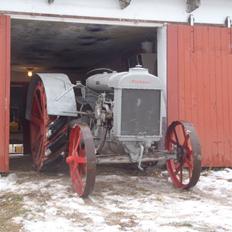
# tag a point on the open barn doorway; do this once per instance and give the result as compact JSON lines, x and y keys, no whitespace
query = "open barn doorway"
{"x":72,"y":49}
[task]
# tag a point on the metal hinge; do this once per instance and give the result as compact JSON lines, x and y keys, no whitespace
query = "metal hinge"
{"x":193,"y":5}
{"x":124,"y":3}
{"x":50,"y":1}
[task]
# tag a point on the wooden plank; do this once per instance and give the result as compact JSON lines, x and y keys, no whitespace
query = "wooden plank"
{"x":4,"y":92}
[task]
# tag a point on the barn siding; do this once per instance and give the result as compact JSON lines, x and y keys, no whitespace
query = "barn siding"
{"x":4,"y":92}
{"x":199,"y":86}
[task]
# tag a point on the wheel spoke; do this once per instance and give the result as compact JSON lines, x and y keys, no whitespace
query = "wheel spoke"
{"x":77,"y":143}
{"x":80,"y":160}
{"x":178,"y":168}
{"x":39,"y":151}
{"x":188,"y":163}
{"x":181,"y":175}
{"x":176,"y":137}
{"x":186,"y":144}
{"x":76,"y":178}
{"x":173,"y":142}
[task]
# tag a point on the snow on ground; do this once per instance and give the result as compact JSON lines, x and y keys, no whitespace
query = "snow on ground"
{"x":121,"y":202}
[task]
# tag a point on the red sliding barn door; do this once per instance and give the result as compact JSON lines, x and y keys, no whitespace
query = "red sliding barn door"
{"x":4,"y":92}
{"x":200,"y":86}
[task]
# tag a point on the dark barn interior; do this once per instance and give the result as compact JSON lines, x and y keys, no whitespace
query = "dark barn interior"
{"x":73,"y":49}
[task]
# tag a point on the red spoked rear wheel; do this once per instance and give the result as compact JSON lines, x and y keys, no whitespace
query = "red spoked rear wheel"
{"x":181,"y":138}
{"x":48,"y":132}
{"x":81,"y":159}
{"x":38,"y":125}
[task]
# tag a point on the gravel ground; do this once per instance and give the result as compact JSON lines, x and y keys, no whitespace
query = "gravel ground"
{"x":123,"y":200}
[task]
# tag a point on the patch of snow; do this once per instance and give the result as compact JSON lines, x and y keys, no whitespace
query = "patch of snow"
{"x":8,"y":183}
{"x":51,"y":225}
{"x":123,"y":203}
{"x":217,"y":183}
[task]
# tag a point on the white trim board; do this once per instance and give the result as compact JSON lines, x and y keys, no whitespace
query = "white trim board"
{"x":138,"y":13}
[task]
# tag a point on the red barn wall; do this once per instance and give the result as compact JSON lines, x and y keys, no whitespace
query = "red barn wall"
{"x":4,"y":92}
{"x":200,"y":86}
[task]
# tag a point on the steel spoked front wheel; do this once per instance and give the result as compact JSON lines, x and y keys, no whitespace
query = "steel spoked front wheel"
{"x":181,"y":138}
{"x":81,"y":159}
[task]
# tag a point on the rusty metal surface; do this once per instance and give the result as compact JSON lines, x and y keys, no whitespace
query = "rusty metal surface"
{"x":199,"y":87}
{"x":4,"y":92}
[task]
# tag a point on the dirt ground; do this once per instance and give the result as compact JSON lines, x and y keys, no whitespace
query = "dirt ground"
{"x":124,"y":199}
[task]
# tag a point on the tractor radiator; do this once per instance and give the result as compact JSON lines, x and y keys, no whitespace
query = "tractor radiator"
{"x":140,"y":112}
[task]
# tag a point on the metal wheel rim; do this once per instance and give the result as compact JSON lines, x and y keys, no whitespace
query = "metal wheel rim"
{"x":189,"y":151}
{"x":38,"y":124}
{"x":81,"y":159}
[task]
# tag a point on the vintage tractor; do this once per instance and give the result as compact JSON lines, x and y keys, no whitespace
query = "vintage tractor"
{"x":114,"y":118}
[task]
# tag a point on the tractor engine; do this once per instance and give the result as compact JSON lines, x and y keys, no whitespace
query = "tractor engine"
{"x":126,"y":111}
